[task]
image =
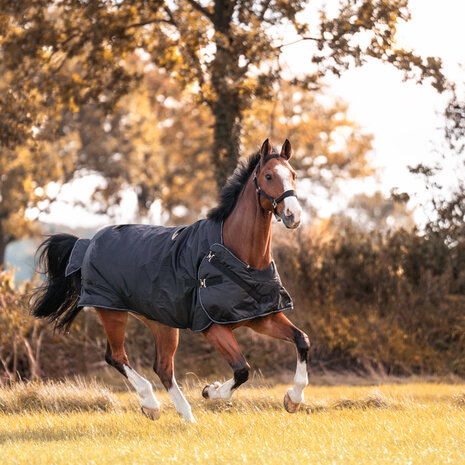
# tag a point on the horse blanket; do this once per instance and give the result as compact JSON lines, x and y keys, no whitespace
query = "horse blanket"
{"x":183,"y":277}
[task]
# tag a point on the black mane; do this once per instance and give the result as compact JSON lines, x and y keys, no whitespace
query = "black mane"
{"x":233,"y":187}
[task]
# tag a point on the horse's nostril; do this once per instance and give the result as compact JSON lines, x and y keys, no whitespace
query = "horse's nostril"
{"x":290,"y":218}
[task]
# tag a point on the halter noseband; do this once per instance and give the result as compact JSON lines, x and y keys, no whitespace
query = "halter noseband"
{"x":261,"y":192}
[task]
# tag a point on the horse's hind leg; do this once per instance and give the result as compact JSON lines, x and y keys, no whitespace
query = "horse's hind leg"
{"x":114,"y":323}
{"x":279,"y":327}
{"x":166,"y":343}
{"x":223,"y":340}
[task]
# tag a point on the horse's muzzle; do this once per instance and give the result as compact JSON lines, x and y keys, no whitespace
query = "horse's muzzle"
{"x":290,"y":222}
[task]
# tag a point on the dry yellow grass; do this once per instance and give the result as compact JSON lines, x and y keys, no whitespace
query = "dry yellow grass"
{"x":389,"y":424}
{"x":57,"y":397}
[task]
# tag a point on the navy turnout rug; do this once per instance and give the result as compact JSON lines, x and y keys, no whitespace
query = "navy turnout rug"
{"x":183,"y":277}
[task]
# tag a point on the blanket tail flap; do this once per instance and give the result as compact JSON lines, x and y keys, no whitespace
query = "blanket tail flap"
{"x":77,"y":256}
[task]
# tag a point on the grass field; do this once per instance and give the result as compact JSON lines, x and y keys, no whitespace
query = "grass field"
{"x":71,"y":423}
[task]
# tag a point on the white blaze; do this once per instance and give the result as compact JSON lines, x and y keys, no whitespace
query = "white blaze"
{"x":291,"y":204}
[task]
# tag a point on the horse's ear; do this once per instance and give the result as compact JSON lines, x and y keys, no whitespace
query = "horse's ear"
{"x":286,"y":150}
{"x":266,"y":149}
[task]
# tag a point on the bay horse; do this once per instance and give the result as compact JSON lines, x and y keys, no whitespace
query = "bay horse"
{"x":105,"y":271}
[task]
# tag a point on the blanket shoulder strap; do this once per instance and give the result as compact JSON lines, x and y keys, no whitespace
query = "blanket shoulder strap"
{"x":220,"y":266}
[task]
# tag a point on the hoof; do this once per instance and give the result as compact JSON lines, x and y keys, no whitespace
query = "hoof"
{"x":151,"y":413}
{"x":290,"y":406}
{"x":205,"y":391}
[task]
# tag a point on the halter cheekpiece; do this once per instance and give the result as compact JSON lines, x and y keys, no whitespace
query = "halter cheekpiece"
{"x":261,"y":192}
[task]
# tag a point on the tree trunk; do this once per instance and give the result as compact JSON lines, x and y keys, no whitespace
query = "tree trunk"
{"x":3,"y":244}
{"x":227,"y":133}
{"x":227,"y":106}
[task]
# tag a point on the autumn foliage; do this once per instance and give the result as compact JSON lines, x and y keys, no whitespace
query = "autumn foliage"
{"x":161,"y":99}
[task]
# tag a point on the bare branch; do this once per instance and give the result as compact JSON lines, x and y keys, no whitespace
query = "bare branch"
{"x":193,"y":56}
{"x":7,"y":371}
{"x":266,"y":4}
{"x":201,"y":9}
{"x":33,"y":362}
{"x":170,"y":14}
{"x":298,"y":40}
{"x":150,"y":21}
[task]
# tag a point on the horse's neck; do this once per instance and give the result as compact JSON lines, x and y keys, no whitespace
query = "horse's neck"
{"x":247,"y":230}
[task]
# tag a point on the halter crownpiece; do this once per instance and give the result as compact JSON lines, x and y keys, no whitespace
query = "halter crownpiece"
{"x":261,"y":192}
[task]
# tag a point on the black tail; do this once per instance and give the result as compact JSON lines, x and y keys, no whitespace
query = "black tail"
{"x":57,"y":299}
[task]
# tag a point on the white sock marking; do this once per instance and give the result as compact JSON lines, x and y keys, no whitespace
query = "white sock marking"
{"x":143,"y":388}
{"x":300,"y":381}
{"x":221,"y":391}
{"x":180,"y":402}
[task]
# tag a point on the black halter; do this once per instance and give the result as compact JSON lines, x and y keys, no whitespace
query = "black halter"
{"x":274,"y":201}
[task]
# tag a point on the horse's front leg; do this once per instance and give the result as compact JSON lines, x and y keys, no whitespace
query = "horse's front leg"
{"x":223,"y":340}
{"x":279,"y":327}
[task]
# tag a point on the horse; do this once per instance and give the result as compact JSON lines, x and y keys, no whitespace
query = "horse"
{"x":178,"y":274}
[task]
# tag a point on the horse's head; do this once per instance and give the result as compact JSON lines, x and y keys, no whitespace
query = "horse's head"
{"x":275,"y":184}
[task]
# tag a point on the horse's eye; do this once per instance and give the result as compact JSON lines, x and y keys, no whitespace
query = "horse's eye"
{"x":268,"y":177}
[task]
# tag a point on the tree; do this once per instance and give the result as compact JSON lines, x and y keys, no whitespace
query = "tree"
{"x":23,"y":172}
{"x":159,"y":147}
{"x":154,"y":142}
{"x":448,"y":195}
{"x":446,"y":184}
{"x":454,"y":125}
{"x":156,"y":146}
{"x":226,"y":48}
{"x":71,"y":60}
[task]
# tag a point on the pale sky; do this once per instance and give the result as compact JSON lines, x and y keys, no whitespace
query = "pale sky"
{"x":404,"y":118}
